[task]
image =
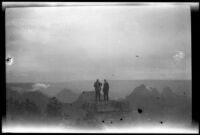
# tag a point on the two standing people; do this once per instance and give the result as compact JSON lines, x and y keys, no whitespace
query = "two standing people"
{"x":97,"y":86}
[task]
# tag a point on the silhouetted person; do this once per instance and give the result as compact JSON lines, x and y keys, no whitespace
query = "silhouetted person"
{"x":105,"y":90}
{"x":97,"y":86}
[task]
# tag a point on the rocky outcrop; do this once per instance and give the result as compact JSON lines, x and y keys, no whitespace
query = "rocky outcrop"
{"x":66,"y":96}
{"x":87,"y":102}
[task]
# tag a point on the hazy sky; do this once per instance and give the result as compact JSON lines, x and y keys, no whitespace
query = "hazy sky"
{"x":89,"y":42}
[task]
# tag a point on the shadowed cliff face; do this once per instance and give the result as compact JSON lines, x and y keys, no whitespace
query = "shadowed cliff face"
{"x":87,"y":96}
{"x":66,"y":96}
{"x":165,"y":104}
{"x":143,"y":104}
{"x":35,"y":96}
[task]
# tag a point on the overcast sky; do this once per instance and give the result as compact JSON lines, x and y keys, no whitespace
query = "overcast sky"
{"x":58,"y":44}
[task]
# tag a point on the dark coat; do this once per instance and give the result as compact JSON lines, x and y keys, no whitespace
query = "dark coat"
{"x":97,"y":86}
{"x":105,"y":87}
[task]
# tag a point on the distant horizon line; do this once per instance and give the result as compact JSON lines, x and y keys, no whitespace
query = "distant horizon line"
{"x":102,"y":80}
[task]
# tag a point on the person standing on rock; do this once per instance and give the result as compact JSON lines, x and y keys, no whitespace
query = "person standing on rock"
{"x":105,"y":90}
{"x":97,"y":86}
